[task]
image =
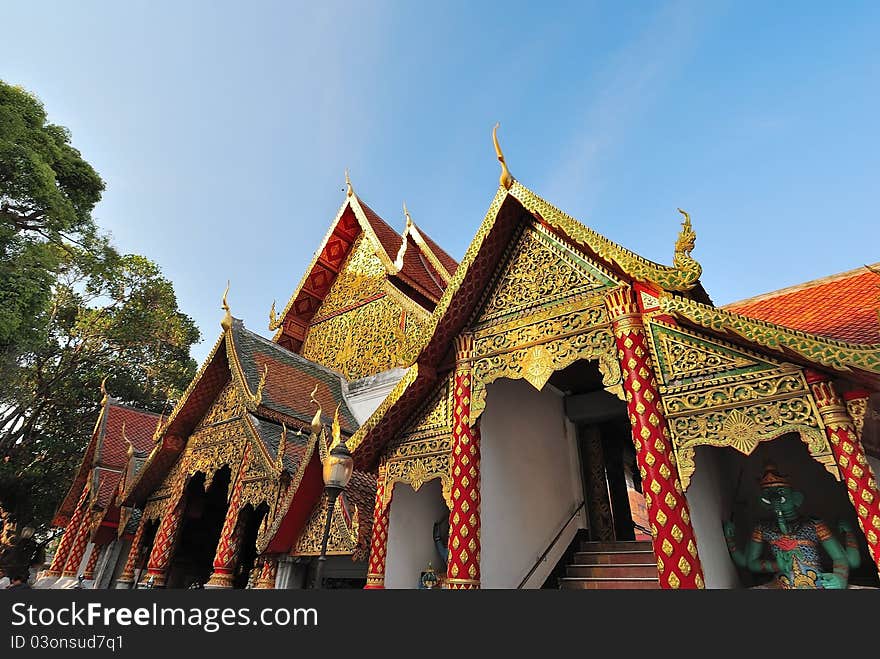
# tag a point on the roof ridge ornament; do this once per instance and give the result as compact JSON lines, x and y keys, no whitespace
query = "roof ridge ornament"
{"x":506,"y":178}
{"x":226,"y":323}
{"x":104,"y":395}
{"x":282,"y":446}
{"x":349,"y":190}
{"x":687,"y":237}
{"x":398,"y":261}
{"x":274,"y":320}
{"x":130,"y":450}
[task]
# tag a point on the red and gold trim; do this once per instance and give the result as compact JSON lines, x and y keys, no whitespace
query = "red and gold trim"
{"x":268,"y":573}
{"x":379,"y":537}
{"x":861,"y":483}
{"x":127,"y":576}
{"x":59,"y":560}
{"x":165,"y":541}
{"x":89,"y":572}
{"x":678,"y":563}
{"x":78,"y":547}
{"x":463,"y":568}
{"x":229,"y":544}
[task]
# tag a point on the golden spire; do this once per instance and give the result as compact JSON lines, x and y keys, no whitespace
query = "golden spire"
{"x":226,"y":323}
{"x":274,"y":320}
{"x":406,"y":213}
{"x":130,"y":449}
{"x":687,"y":238}
{"x":506,"y":179}
{"x":282,"y":446}
{"x":104,"y":395}
{"x":335,"y":432}
{"x":349,"y":191}
{"x":398,"y":261}
{"x":316,"y":420}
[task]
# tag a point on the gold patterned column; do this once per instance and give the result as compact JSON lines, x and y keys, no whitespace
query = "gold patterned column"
{"x":463,"y":568}
{"x":67,"y":538}
{"x":78,"y":547}
{"x":127,"y":577}
{"x":166,"y":540}
{"x":675,"y":547}
{"x":861,"y":483}
{"x":268,"y":573}
{"x":89,"y":572}
{"x":379,"y":536}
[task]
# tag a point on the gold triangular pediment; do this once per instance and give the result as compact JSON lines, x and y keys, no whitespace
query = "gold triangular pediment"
{"x":541,"y":271}
{"x":685,"y":357}
{"x":433,"y":415}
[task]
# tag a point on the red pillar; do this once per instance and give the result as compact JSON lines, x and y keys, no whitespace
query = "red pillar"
{"x":67,"y":538}
{"x":229,"y":544}
{"x":678,"y":564}
{"x":463,"y":568}
{"x":378,"y":537}
{"x":166,"y":538}
{"x":78,"y":547}
{"x":861,"y":483}
{"x":268,"y":573}
{"x":127,"y":576}
{"x":89,"y":572}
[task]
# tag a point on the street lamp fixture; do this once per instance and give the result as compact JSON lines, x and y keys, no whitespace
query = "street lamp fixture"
{"x":337,"y":470}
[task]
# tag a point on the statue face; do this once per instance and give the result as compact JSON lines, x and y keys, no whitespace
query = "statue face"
{"x":783,"y":501}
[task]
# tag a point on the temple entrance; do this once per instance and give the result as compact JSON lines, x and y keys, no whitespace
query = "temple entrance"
{"x":203,"y":518}
{"x":611,"y":482}
{"x":415,"y":519}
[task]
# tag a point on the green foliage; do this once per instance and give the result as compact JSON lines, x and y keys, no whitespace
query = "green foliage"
{"x":72,"y":310}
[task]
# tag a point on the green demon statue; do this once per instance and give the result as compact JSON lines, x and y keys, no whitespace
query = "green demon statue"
{"x":794,"y":541}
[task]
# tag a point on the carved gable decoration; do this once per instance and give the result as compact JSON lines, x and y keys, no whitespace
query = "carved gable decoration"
{"x":540,"y":271}
{"x":684,"y":357}
{"x":227,"y":406}
{"x":343,"y":539}
{"x":360,"y":329}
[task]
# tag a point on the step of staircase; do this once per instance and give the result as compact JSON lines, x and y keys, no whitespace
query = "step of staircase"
{"x":604,"y":557}
{"x":607,"y":565}
{"x":624,"y":571}
{"x":616,"y":545}
{"x":575,"y":583}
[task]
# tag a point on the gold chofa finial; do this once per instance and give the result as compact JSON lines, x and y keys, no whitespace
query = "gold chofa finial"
{"x":104,"y":394}
{"x":282,"y":447}
{"x":226,"y":323}
{"x":687,"y":237}
{"x":335,"y":432}
{"x":274,"y":321}
{"x":406,"y":213}
{"x":506,"y":180}
{"x":348,"y":189}
{"x":316,"y":420}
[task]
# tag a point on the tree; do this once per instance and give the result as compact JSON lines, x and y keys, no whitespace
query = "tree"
{"x":109,"y":315}
{"x":72,"y":310}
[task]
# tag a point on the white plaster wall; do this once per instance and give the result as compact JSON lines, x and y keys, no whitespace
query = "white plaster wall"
{"x":410,"y":533}
{"x":365,"y":395}
{"x":705,"y":497}
{"x":530,"y":483}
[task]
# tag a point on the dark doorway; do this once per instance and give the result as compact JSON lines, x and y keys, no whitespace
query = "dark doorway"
{"x":251,"y":519}
{"x":202,"y":523}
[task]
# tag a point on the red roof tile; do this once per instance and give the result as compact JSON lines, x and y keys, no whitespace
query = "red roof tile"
{"x":842,"y":306}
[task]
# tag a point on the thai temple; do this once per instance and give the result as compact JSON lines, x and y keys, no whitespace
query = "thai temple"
{"x":553,"y":411}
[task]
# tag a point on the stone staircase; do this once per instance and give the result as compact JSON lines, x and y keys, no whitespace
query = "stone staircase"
{"x":612,"y":565}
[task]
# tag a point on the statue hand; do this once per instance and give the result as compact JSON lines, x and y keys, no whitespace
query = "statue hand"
{"x":831,"y":581}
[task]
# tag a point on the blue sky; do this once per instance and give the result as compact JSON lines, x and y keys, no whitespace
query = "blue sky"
{"x":223,"y":129}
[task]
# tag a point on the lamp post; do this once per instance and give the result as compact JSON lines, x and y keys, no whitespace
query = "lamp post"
{"x":337,"y":469}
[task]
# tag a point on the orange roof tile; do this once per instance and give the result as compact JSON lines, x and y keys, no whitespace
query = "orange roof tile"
{"x":843,"y":306}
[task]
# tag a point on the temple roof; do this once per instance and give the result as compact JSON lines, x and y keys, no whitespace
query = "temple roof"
{"x":680,"y":295}
{"x":843,"y":306}
{"x":275,"y":386}
{"x":419,"y":274}
{"x":106,"y":454}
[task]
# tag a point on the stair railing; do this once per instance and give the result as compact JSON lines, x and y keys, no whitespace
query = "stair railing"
{"x":543,"y":556}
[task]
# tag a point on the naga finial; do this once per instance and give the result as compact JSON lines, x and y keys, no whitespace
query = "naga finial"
{"x":506,"y":179}
{"x":226,"y":323}
{"x":335,"y":432}
{"x":406,"y":214}
{"x":274,"y":320}
{"x":258,"y":396}
{"x":316,"y":420}
{"x":687,"y":238}
{"x":282,"y":446}
{"x":349,"y":190}
{"x":125,"y":438}
{"x":104,"y":395}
